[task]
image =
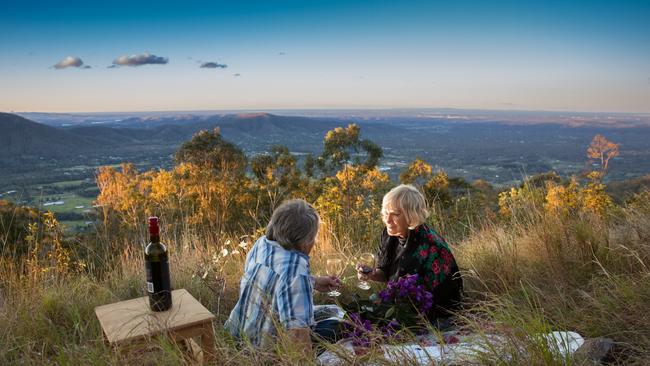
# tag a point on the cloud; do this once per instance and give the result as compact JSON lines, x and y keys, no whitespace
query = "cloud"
{"x":86,"y":67}
{"x":69,"y":61}
{"x":213,"y":65}
{"x":139,"y":60}
{"x":111,"y":67}
{"x":281,"y":53}
{"x":236,"y":75}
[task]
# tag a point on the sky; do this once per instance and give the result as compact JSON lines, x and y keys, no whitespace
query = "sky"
{"x":591,"y":56}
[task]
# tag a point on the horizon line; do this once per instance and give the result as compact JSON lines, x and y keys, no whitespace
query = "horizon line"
{"x":362,"y":109}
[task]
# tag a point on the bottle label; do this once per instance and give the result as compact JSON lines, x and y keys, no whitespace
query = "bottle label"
{"x":158,"y":276}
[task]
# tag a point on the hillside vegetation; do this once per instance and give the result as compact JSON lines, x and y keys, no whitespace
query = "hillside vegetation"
{"x":556,"y":253}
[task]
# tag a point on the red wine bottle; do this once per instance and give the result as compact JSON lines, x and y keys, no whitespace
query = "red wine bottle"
{"x":157,"y":266}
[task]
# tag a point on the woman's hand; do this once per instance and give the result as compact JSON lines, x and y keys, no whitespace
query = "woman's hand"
{"x":326,"y":283}
{"x":365,"y":273}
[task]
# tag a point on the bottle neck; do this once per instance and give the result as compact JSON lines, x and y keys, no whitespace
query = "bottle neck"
{"x":154,"y":238}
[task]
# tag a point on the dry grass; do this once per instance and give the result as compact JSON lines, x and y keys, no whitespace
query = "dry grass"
{"x":534,"y":274}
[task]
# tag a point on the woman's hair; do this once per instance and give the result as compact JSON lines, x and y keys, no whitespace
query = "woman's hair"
{"x":409,"y":201}
{"x":293,"y":223}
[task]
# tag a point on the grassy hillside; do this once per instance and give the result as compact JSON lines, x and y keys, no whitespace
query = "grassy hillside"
{"x":535,"y":273}
{"x":550,"y":254}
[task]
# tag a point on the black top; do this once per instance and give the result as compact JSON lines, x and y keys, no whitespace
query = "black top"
{"x":428,"y":255}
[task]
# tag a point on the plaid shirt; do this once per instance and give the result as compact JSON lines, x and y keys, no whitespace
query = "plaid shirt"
{"x":275,"y":290}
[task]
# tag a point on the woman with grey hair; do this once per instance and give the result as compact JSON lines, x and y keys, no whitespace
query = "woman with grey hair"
{"x":276,"y":289}
{"x":409,"y":246}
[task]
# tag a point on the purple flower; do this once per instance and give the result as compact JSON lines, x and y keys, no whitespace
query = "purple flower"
{"x":406,"y":290}
{"x":359,"y":330}
{"x":390,"y":329}
{"x":403,"y":297}
{"x":385,"y":296}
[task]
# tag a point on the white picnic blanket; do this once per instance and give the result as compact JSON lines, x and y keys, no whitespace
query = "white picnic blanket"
{"x":450,"y":348}
{"x":465,"y":351}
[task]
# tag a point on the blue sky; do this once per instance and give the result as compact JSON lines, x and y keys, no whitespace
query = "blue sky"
{"x":550,"y":55}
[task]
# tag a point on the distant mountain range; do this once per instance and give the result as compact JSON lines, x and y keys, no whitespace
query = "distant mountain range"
{"x":497,"y":150}
{"x":425,"y":115}
{"x":23,"y":140}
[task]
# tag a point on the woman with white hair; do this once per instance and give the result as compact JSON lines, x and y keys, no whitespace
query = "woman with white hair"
{"x":409,"y":246}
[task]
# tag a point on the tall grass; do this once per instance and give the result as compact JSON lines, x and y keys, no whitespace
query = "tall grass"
{"x":583,"y":272}
{"x":524,"y":277}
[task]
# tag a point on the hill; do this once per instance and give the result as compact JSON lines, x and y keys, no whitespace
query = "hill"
{"x":25,"y":144}
{"x":24,"y":135}
{"x":23,"y":139}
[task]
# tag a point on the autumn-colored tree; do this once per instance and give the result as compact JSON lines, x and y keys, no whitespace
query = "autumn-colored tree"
{"x":522,"y":199}
{"x":351,"y":202}
{"x":602,"y":150}
{"x":207,"y":187}
{"x":563,"y":199}
{"x":214,"y":176}
{"x":349,"y":191}
{"x":595,"y":199}
{"x":418,"y":173}
{"x":121,"y":194}
{"x":218,"y":200}
{"x":436,"y":189}
{"x":49,"y":254}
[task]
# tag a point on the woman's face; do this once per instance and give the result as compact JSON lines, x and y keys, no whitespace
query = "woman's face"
{"x":395,"y":221}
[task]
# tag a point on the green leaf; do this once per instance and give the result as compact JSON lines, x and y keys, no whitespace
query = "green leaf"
{"x":390,"y":312}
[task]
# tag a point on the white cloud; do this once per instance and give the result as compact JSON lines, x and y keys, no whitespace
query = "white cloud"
{"x":139,"y":60}
{"x":70,"y":61}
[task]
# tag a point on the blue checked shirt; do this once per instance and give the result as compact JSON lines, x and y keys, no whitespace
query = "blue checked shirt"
{"x":275,"y":290}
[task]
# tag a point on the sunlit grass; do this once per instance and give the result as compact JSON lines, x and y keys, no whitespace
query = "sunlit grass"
{"x":532,"y":275}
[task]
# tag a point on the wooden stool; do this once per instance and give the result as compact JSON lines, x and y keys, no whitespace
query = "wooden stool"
{"x":132,"y":321}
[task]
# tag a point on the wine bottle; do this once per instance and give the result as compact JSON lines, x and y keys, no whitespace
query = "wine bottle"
{"x":157,"y":267}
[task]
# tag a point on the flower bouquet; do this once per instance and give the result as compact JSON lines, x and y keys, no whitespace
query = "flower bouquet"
{"x":403,"y":304}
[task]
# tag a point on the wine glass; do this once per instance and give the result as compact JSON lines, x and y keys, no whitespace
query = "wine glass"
{"x":334,"y":267}
{"x":367,"y":262}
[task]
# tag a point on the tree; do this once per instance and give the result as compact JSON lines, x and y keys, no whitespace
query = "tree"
{"x":436,"y":189}
{"x":595,"y":199}
{"x":418,"y":173}
{"x":563,"y":199}
{"x":209,"y":149}
{"x":309,"y":165}
{"x":14,"y":221}
{"x":121,"y":193}
{"x":351,"y":202}
{"x":213,"y":172}
{"x":276,"y":175}
{"x":602,"y":150}
{"x":343,"y":146}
